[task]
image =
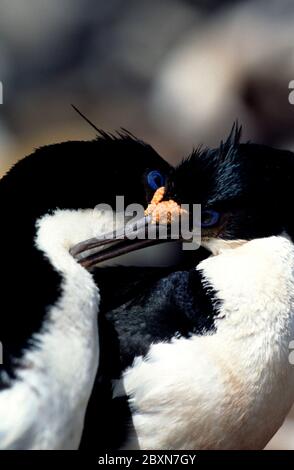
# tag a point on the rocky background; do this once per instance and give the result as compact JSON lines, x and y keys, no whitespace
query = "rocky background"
{"x":174,"y":72}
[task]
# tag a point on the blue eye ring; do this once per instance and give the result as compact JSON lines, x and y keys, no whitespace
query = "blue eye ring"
{"x":155,"y":179}
{"x":213,"y":218}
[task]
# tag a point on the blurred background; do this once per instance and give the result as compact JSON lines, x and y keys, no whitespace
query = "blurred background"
{"x":174,"y":72}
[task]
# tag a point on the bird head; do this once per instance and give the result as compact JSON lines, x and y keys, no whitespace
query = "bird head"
{"x":39,"y":195}
{"x":244,"y":190}
{"x":80,"y":174}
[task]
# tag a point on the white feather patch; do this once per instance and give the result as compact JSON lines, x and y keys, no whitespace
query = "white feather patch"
{"x":231,"y":389}
{"x":45,"y":407}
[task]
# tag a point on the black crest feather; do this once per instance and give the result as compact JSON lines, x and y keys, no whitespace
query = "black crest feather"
{"x":232,"y":140}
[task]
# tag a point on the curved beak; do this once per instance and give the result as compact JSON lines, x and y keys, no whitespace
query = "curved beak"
{"x":140,"y":234}
{"x":155,"y":227}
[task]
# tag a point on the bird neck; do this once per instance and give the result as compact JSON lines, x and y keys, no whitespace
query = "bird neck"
{"x":256,"y":298}
{"x":49,"y":324}
{"x":37,"y":272}
{"x":242,"y":368}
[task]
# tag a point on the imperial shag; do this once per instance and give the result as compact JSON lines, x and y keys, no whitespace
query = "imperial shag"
{"x":198,"y":358}
{"x":49,"y":303}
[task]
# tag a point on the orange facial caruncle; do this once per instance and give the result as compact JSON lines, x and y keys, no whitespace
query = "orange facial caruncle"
{"x":163,"y":212}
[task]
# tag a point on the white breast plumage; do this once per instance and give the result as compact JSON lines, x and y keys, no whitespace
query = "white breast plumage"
{"x":45,"y":406}
{"x":233,"y":388}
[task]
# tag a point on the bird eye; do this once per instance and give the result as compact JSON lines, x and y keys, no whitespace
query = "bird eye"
{"x":155,"y":179}
{"x":209,"y":218}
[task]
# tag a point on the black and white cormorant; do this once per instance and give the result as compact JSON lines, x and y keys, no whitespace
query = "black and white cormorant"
{"x":199,"y":358}
{"x":49,"y":303}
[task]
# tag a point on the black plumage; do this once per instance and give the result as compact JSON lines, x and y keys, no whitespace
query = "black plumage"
{"x":248,"y":184}
{"x":150,"y":305}
{"x":69,"y":175}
